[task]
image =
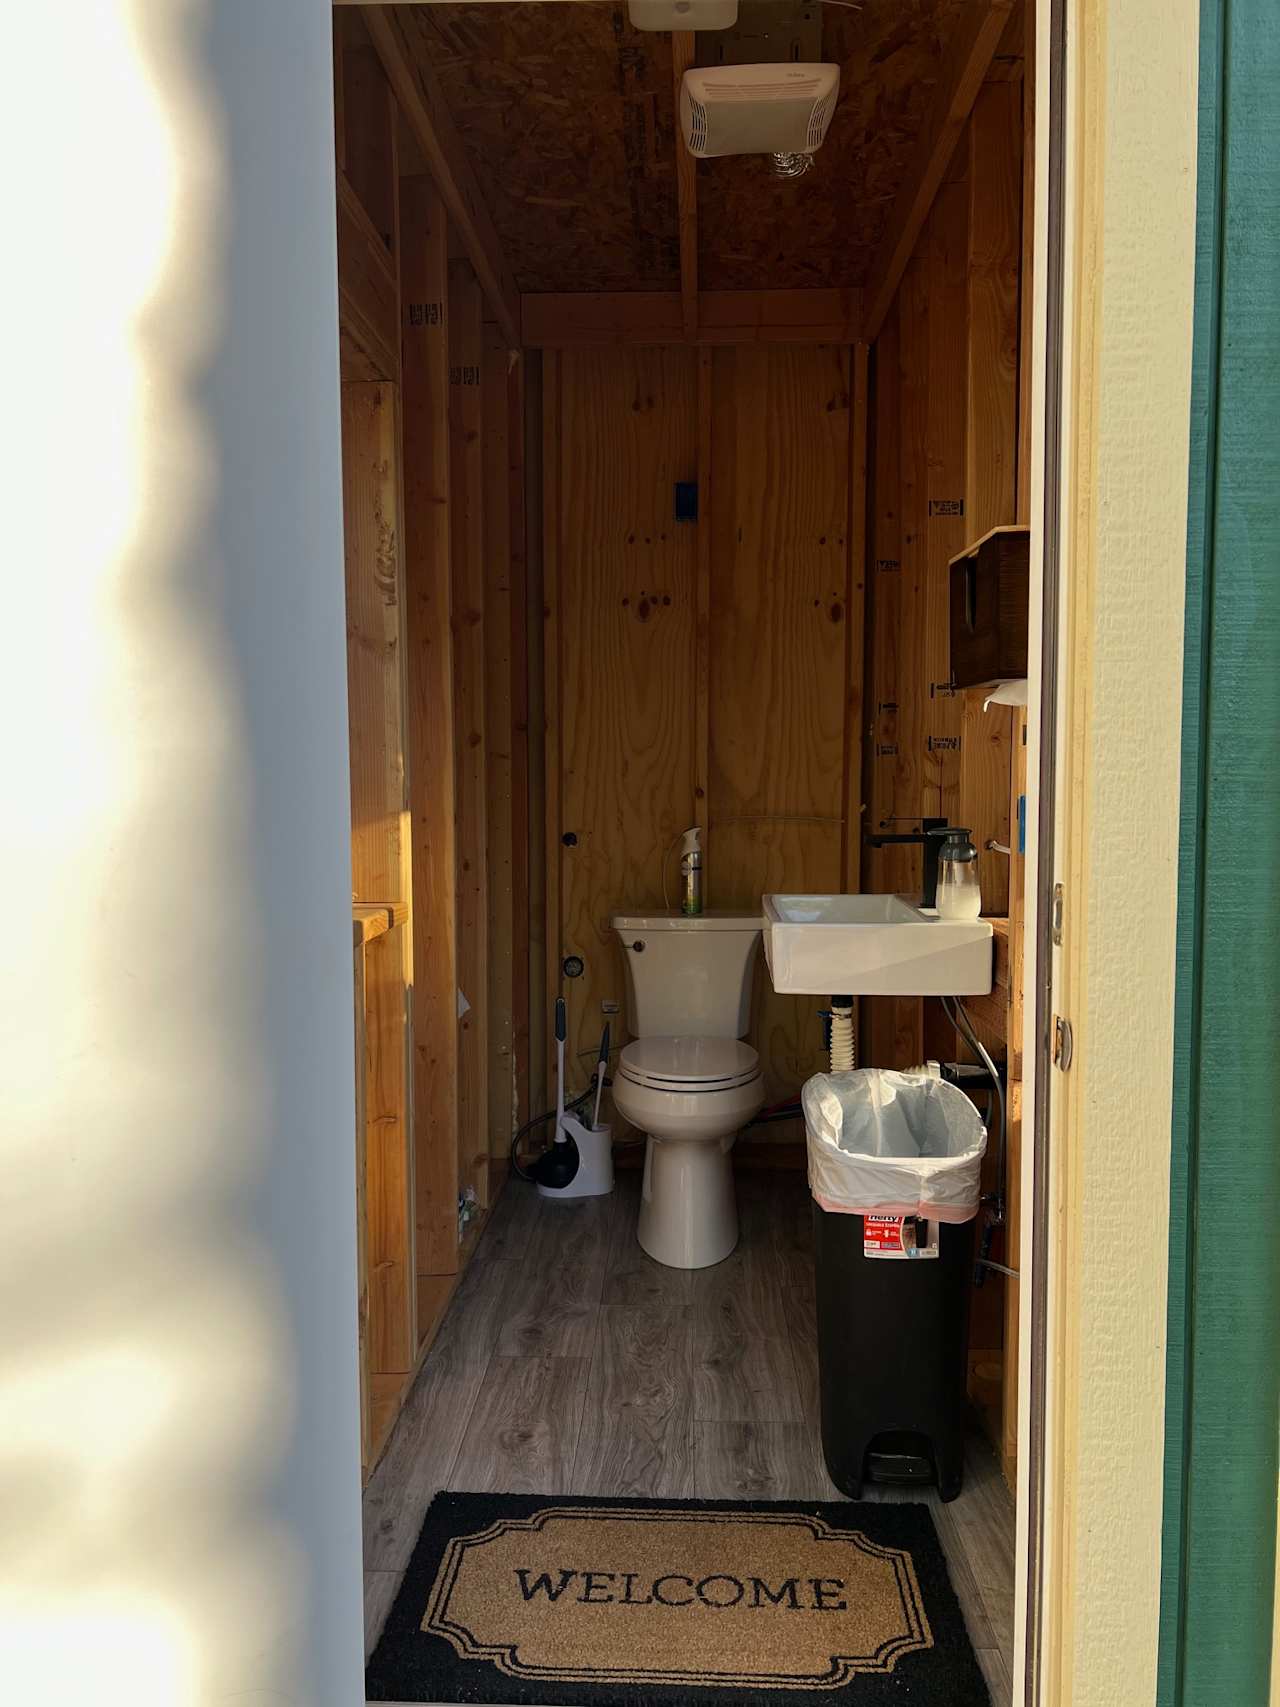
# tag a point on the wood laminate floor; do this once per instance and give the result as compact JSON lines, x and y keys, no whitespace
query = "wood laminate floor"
{"x":570,"y":1363}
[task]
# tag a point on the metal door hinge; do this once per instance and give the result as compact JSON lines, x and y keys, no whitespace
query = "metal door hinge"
{"x":1063,"y":1043}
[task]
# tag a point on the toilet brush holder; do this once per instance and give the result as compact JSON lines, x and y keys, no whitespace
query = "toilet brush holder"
{"x":594,"y":1177}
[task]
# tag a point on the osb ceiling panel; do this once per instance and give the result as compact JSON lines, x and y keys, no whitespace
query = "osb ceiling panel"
{"x":822,"y":229}
{"x":568,"y":116}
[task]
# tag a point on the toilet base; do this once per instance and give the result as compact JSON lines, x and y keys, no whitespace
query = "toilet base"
{"x":688,"y":1207}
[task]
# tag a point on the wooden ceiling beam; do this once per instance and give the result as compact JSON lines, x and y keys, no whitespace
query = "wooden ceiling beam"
{"x":682,"y":52}
{"x":423,"y":106}
{"x":967,"y":62}
{"x":557,"y":322}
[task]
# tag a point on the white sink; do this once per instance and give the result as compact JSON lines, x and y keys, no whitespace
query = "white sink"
{"x":872,"y":945}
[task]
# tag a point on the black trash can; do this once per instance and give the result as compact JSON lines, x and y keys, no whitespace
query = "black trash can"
{"x":893,"y":1342}
{"x":894,"y":1165}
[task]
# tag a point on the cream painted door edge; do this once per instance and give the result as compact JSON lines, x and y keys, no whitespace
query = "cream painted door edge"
{"x":1126,"y":132}
{"x":1043,"y":722}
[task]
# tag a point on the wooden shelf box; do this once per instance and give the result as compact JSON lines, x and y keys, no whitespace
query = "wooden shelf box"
{"x":990,"y":581}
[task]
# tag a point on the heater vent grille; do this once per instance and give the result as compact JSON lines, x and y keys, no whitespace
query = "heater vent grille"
{"x":697,"y":126}
{"x":819,"y":119}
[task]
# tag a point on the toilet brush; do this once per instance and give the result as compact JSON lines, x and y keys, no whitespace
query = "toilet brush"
{"x":601,"y":1066}
{"x":557,"y":1165}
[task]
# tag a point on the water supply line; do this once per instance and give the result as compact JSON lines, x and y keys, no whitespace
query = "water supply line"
{"x":958,"y":1014}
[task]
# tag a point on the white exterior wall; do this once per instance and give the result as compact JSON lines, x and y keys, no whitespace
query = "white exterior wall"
{"x":178,"y":1396}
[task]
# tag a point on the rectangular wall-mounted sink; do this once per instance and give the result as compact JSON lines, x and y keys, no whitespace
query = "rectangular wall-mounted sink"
{"x":872,"y":945}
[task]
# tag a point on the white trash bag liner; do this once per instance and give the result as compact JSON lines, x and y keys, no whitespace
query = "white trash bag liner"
{"x":883,"y":1143}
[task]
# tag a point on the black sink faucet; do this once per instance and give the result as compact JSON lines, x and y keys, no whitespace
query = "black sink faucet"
{"x":931,"y":835}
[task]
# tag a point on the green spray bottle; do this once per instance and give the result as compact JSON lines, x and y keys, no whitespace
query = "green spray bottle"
{"x":691,"y":872}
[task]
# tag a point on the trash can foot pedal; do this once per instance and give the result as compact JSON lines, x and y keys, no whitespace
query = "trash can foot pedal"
{"x":899,"y":1467}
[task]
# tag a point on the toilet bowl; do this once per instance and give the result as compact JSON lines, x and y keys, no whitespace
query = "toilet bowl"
{"x":688,"y":1081}
{"x":691,"y":1096}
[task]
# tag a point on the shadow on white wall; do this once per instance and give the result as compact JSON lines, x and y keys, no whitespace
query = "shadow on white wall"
{"x":179,"y":1476}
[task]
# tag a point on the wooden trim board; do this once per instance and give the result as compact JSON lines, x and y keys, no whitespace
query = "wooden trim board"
{"x":991,"y":533}
{"x":370,"y":919}
{"x":498,"y":662}
{"x":466,"y":461}
{"x":534,"y":479}
{"x":428,"y":545}
{"x":682,"y":55}
{"x":565,"y":320}
{"x":856,"y":605}
{"x":702,"y":615}
{"x":551,"y":473}
{"x":520,"y":850}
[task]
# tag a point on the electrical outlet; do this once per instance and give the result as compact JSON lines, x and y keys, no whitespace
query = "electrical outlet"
{"x":610,"y":1008}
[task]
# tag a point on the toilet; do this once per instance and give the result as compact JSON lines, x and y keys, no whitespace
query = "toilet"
{"x":687,"y":1080}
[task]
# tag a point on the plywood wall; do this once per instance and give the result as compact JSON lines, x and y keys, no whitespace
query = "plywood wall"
{"x":948,"y":461}
{"x":698,"y":672}
{"x":779,"y":612}
{"x":623,"y":668}
{"x":944,"y":439}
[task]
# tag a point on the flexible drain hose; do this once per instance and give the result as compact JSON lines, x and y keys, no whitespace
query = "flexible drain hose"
{"x":843,"y":1053}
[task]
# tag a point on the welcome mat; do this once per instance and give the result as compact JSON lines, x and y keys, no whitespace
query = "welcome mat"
{"x":615,"y":1603}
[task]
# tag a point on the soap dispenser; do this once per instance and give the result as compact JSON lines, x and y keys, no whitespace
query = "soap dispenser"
{"x":691,"y":872}
{"x":959,"y":894}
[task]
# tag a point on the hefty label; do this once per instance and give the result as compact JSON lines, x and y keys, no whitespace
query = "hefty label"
{"x":898,"y":1236}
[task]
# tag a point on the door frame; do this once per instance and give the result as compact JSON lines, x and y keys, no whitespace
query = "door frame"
{"x":1115,"y":193}
{"x":1043,"y":721}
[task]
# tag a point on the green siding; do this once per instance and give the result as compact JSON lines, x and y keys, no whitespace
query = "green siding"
{"x":1223,"y":1397}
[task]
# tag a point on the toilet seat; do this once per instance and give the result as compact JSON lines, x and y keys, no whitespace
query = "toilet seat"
{"x":689,"y":1064}
{"x":690,"y":1096}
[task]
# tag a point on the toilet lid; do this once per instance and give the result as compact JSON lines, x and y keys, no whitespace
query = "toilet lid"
{"x":683,"y":1063}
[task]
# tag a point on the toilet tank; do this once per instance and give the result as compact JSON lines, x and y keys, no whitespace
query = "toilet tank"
{"x":689,"y":977}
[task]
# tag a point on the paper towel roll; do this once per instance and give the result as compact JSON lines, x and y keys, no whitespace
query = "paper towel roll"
{"x":1007,"y":693}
